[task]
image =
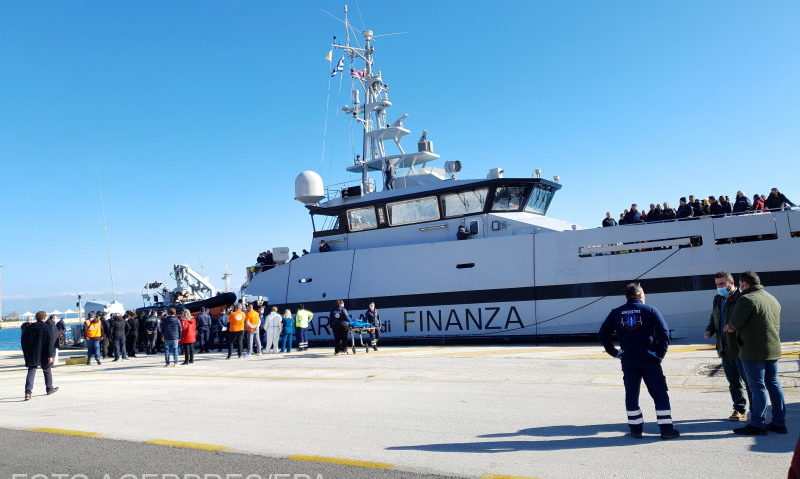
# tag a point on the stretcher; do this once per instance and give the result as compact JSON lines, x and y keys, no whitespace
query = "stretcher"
{"x":359,"y":328}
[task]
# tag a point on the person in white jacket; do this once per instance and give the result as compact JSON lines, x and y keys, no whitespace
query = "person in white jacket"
{"x":273,"y":326}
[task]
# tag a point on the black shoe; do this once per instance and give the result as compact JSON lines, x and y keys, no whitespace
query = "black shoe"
{"x":115,"y":360}
{"x":771,"y":427}
{"x":374,"y":348}
{"x":184,"y":363}
{"x":228,"y":357}
{"x":670,"y":434}
{"x":27,"y":396}
{"x":751,"y":430}
{"x":88,"y":362}
{"x":636,"y":434}
{"x":52,"y":391}
{"x":98,"y":361}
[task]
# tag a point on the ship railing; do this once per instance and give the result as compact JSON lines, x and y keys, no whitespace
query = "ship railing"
{"x":718,"y":215}
{"x":257,"y":268}
{"x":335,"y":190}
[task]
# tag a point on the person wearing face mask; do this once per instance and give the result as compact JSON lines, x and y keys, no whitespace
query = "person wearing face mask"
{"x":643,"y":339}
{"x":372,"y":317}
{"x":727,"y":347}
{"x":756,"y":319}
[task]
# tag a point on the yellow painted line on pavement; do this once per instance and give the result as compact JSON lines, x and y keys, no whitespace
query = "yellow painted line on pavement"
{"x":188,"y":445}
{"x":66,"y":432}
{"x":342,"y":461}
{"x":503,"y":476}
{"x":693,"y":348}
{"x":493,"y":352}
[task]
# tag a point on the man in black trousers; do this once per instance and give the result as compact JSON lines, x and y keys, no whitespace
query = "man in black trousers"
{"x":38,"y":348}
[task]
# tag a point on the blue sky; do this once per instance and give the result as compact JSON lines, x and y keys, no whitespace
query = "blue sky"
{"x":200,"y":114}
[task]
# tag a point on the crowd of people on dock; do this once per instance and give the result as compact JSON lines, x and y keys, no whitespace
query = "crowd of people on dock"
{"x":248,"y":329}
{"x":696,"y":208}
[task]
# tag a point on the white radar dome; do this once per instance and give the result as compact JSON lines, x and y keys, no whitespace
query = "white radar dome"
{"x":308,"y":187}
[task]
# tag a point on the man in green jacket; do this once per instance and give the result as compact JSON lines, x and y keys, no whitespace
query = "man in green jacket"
{"x":756,"y":321}
{"x":727,"y":348}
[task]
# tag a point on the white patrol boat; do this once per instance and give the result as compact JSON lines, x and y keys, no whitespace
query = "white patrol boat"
{"x":520,"y":275}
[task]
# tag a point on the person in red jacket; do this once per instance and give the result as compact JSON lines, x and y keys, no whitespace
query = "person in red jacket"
{"x":188,"y":336}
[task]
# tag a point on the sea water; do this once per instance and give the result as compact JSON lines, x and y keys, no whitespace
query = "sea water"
{"x":9,"y":339}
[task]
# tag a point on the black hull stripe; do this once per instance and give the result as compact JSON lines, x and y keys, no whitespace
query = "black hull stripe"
{"x":674,"y":284}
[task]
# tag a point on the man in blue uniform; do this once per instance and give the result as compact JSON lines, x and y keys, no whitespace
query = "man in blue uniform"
{"x":203,"y":322}
{"x":340,"y":321}
{"x":643,"y":338}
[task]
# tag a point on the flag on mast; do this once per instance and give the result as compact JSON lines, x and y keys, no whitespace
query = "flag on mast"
{"x":329,"y":56}
{"x":339,"y":67}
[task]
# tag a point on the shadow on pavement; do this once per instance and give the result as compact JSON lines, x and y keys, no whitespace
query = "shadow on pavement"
{"x":587,"y":437}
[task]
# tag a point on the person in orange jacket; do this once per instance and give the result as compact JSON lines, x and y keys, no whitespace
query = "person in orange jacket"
{"x":236,"y":330}
{"x":251,"y":325}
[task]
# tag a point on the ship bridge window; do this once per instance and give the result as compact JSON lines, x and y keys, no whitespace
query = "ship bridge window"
{"x":509,"y":198}
{"x":539,"y":200}
{"x":325,"y":224}
{"x":464,"y":202}
{"x":360,"y":219}
{"x":413,"y":211}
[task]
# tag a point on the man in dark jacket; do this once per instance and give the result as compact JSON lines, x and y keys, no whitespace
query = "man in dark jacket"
{"x":667,"y":213}
{"x":643,"y":339}
{"x":151,"y":325}
{"x":757,"y":321}
{"x":727,"y":207}
{"x":609,"y":220}
{"x":340,"y":321}
{"x":119,"y":331}
{"x":204,"y":330}
{"x":38,"y":348}
{"x":696,"y":206}
{"x":776,"y":200}
{"x":654,"y":214}
{"x":727,"y":347}
{"x":374,"y":318}
{"x":171,"y":330}
{"x":684,"y":210}
{"x":105,"y":343}
{"x":133,"y":334}
{"x":742,"y":203}
{"x":633,"y":216}
{"x":51,"y":322}
{"x":715,"y":208}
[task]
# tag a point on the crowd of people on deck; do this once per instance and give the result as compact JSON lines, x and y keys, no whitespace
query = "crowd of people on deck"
{"x":247,"y":329}
{"x":696,"y":208}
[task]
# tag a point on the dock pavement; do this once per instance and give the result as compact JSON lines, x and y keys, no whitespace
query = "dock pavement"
{"x":492,"y":412}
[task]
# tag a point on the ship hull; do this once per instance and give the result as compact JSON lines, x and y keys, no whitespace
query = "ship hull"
{"x":544,"y":284}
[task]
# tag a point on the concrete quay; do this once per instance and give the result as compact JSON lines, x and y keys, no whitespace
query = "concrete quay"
{"x":549,"y":412}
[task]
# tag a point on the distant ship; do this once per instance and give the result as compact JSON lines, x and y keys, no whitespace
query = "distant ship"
{"x":193,"y":291}
{"x":521,"y":275}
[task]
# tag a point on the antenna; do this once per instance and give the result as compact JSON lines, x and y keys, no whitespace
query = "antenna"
{"x":108,"y":245}
{"x":227,"y":277}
